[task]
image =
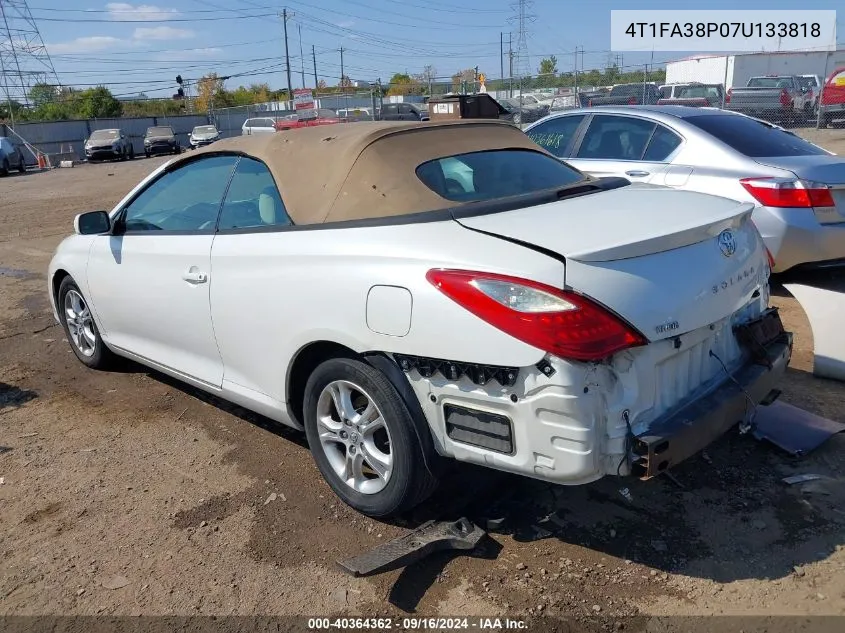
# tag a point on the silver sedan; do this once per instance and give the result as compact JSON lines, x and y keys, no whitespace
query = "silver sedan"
{"x":798,"y":187}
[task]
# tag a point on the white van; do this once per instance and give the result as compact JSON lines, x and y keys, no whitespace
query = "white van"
{"x":260,"y":125}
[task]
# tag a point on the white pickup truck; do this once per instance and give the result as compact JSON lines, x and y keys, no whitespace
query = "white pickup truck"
{"x":775,"y":98}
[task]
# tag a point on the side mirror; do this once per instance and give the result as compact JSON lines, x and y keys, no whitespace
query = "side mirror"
{"x":92,"y":223}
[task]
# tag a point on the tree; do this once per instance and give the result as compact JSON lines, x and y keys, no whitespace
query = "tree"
{"x":548,"y":66}
{"x":42,"y":93}
{"x":404,"y":84}
{"x":209,"y":88}
{"x":98,"y":103}
{"x":464,"y":80}
{"x":321,"y":85}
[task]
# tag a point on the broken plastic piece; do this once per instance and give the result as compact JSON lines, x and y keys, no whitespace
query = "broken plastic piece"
{"x":430,"y":537}
{"x":796,"y":431}
{"x":800,"y":479}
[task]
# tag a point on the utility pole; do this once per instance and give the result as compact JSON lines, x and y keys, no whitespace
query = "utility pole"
{"x":314,"y":59}
{"x":510,"y":64}
{"x":301,"y":56}
{"x":576,"y":77}
{"x":341,"y":68}
{"x":287,"y":56}
{"x":502,"y":55}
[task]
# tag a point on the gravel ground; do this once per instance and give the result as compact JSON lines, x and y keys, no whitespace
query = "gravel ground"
{"x":124,"y":493}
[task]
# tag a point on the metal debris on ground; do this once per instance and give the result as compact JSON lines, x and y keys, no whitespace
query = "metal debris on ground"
{"x":430,"y":537}
{"x":800,"y":479}
{"x":627,"y":494}
{"x":794,"y":430}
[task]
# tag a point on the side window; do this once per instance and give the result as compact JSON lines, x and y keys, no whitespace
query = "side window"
{"x":253,"y":199}
{"x":185,"y":199}
{"x":404,"y":108}
{"x":662,"y":144}
{"x":248,"y":123}
{"x":555,"y":135}
{"x":611,"y":137}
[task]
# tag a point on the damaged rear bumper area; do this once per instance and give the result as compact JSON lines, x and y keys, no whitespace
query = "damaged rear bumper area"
{"x":684,"y":433}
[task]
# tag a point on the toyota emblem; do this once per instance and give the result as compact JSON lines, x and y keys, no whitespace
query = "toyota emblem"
{"x":727,"y":243}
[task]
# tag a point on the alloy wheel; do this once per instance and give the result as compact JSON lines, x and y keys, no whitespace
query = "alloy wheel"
{"x":80,"y":324}
{"x":354,"y":437}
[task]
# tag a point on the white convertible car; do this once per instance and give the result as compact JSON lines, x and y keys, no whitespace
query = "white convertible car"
{"x":408,"y":293}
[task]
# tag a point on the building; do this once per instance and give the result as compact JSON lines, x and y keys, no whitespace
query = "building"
{"x":735,"y":70}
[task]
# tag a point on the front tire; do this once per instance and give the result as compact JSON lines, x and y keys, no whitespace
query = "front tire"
{"x":4,"y":168}
{"x":363,"y":439}
{"x":22,"y":165}
{"x":81,"y":331}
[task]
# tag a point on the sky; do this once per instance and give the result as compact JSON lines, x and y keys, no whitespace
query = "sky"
{"x":140,"y":46}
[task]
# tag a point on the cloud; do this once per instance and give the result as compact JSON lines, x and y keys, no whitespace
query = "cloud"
{"x":123,"y":11}
{"x":91,"y":44}
{"x":191,"y":54}
{"x":161,"y":33}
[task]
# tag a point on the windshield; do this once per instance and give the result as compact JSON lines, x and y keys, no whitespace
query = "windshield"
{"x":494,"y":174}
{"x":754,"y":138}
{"x":105,"y":135}
{"x":205,"y":129}
{"x":159,"y":131}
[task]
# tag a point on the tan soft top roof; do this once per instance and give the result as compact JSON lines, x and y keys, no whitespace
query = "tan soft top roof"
{"x":358,"y":171}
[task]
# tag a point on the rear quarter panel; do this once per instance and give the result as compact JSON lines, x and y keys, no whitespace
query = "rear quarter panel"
{"x":274,"y":293}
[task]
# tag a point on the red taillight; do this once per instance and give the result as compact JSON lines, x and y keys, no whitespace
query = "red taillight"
{"x":783,"y":192}
{"x":632,"y":101}
{"x":560,"y":322}
{"x":728,"y":95}
{"x":785,"y":99}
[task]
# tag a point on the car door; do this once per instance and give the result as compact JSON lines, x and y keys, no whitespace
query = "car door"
{"x":621,"y":145}
{"x":244,"y":260}
{"x":149,"y":280}
{"x":557,"y":135}
{"x":406,"y":113}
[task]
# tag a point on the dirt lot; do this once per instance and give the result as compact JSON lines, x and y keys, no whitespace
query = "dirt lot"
{"x":124,"y":493}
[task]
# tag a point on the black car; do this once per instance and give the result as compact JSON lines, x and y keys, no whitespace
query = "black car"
{"x":404,"y":112}
{"x":161,"y":139}
{"x":519,"y":114}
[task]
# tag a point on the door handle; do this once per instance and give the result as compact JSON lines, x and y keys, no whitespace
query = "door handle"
{"x":636,"y":173}
{"x":194,"y":277}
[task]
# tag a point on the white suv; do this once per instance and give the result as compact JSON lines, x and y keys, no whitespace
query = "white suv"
{"x":260,"y":125}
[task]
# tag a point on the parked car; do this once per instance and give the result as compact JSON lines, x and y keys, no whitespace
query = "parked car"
{"x":692,"y":94}
{"x":533,"y":320}
{"x":404,"y":112}
{"x":833,"y":97}
{"x":627,"y":94}
{"x":161,"y":139}
{"x":797,"y":187}
{"x":813,"y":85}
{"x":203,"y":135}
{"x":356,"y":114}
{"x":292,"y":122}
{"x":10,"y":157}
{"x":259,"y":125}
{"x":111,"y":143}
{"x":778,"y":98}
{"x":519,"y":114}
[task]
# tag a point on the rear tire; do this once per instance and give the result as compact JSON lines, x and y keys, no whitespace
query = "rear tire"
{"x":22,"y":165}
{"x":131,"y":153}
{"x":354,"y":418}
{"x":81,"y":331}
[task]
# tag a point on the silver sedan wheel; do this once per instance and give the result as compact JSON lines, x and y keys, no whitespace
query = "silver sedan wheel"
{"x":354,"y":437}
{"x":80,"y":325}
